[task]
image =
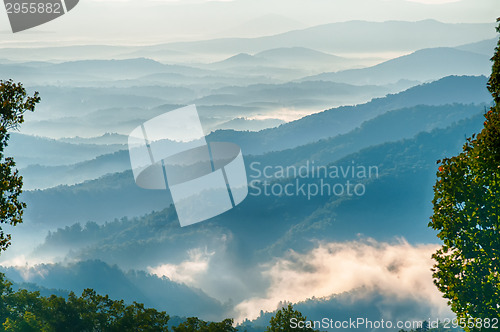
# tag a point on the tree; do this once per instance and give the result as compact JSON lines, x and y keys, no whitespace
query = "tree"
{"x":26,"y":323}
{"x":287,"y":320}
{"x":14,"y":102}
{"x":467,"y":216}
{"x":28,"y":311}
{"x":194,"y":324}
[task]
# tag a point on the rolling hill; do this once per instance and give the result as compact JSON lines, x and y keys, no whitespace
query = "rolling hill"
{"x":298,"y":60}
{"x":322,"y":137}
{"x":391,"y":126}
{"x":390,"y":36}
{"x":332,"y":38}
{"x":395,"y":203}
{"x":29,"y":150}
{"x":422,"y":65}
{"x":343,"y":119}
{"x":139,"y":286}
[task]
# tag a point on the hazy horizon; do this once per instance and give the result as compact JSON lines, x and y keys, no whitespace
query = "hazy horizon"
{"x":113,"y":22}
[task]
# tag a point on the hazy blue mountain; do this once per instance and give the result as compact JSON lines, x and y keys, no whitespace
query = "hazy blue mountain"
{"x":107,"y":138}
{"x":205,"y":82}
{"x":362,"y":37}
{"x":161,"y":294}
{"x":123,"y":120}
{"x":486,"y":47}
{"x":332,"y":38}
{"x":81,"y":111}
{"x":343,"y":119}
{"x":98,"y":121}
{"x":67,"y":101}
{"x":91,"y":72}
{"x":31,"y":287}
{"x":242,"y":124}
{"x":242,"y":59}
{"x":127,"y":68}
{"x":296,"y":60}
{"x":422,"y":65}
{"x":31,"y":75}
{"x":326,"y":127}
{"x":112,"y":68}
{"x":163,"y":55}
{"x":158,"y":234}
{"x":28,"y":150}
{"x":316,"y":95}
{"x":299,"y":54}
{"x":130,"y":117}
{"x":389,"y":127}
{"x":111,"y":196}
{"x":396,"y":203}
{"x":96,"y":112}
{"x":253,"y":70}
{"x":106,"y":225}
{"x":41,"y":177}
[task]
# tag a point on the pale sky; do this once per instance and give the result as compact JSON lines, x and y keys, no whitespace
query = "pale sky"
{"x":135,"y":22}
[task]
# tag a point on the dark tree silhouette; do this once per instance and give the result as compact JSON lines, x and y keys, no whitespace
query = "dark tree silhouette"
{"x":467,"y":216}
{"x":14,"y":102}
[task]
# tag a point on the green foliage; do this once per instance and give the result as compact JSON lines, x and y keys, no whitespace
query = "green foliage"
{"x":494,"y":81}
{"x":28,"y":311}
{"x":467,"y":216}
{"x":27,"y":323}
{"x":285,"y":320}
{"x":194,"y":324}
{"x":14,"y":102}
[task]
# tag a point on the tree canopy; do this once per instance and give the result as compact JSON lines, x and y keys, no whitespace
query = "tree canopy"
{"x":14,"y":102}
{"x":194,"y":324}
{"x":467,"y":216}
{"x":28,"y":311}
{"x":288,"y":320}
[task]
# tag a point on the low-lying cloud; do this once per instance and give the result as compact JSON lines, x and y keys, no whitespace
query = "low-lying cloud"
{"x":397,"y":272}
{"x":187,"y":271}
{"x":400,"y":271}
